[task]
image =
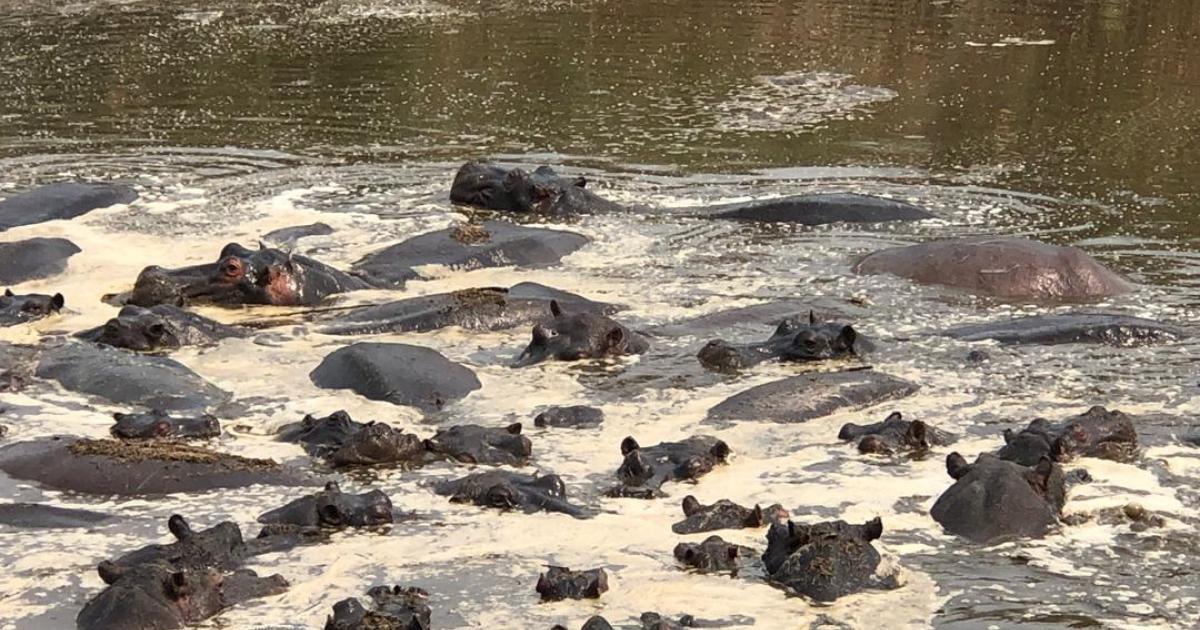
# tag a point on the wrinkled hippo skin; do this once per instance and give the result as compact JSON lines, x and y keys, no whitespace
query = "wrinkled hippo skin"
{"x":158,"y":424}
{"x":473,"y":444}
{"x":575,"y":416}
{"x":808,"y":396}
{"x":562,"y":583}
{"x":511,"y":491}
{"x":714,"y":555}
{"x":158,"y":328}
{"x":343,"y":442}
{"x":579,"y":336}
{"x":397,"y":373}
{"x":333,"y":509}
{"x":111,"y":467}
{"x":34,"y":259}
{"x":824,"y":561}
{"x":491,"y":244}
{"x":33,"y":515}
{"x":1002,"y":267}
{"x":893,"y":435}
{"x":793,"y":340}
{"x":644,"y":470}
{"x":128,"y":379}
{"x":994,"y":499}
{"x":1097,"y":432}
{"x":64,"y":200}
{"x":219,"y":547}
{"x":1107,"y":328}
{"x":289,"y":235}
{"x":724,"y":514}
{"x":395,"y":608}
{"x":19,"y":309}
{"x":490,"y":308}
{"x":593,"y":623}
{"x":541,"y":192}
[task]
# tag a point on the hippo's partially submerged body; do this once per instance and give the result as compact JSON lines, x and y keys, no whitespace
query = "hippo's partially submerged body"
{"x":724,"y":514}
{"x":473,"y":444}
{"x":398,"y":373}
{"x":576,"y":416}
{"x":893,"y":435}
{"x":33,"y":515}
{"x":713,"y":555}
{"x":158,"y":424}
{"x":160,"y":327}
{"x":1097,"y":432}
{"x":808,"y":396}
{"x":1106,"y":328}
{"x":341,"y":441}
{"x":579,"y":336}
{"x":34,"y":259}
{"x":1003,"y":267}
{"x":395,"y":608}
{"x":63,"y":200}
{"x":644,"y":470}
{"x":332,"y":509}
{"x":562,"y":583}
{"x":511,"y":491}
{"x":19,"y":309}
{"x":824,"y":561}
{"x":793,"y":340}
{"x":993,"y":499}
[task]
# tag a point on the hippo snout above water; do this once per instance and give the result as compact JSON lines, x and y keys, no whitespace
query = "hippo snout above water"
{"x":18,"y":309}
{"x":795,"y":339}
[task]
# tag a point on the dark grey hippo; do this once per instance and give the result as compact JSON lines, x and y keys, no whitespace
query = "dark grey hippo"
{"x":34,"y":259}
{"x":595,"y":622}
{"x":993,"y":499}
{"x":562,"y":583}
{"x":724,"y":514}
{"x":511,"y":491}
{"x":220,"y":547}
{"x":824,"y":561}
{"x":1106,"y":328}
{"x":1004,"y":267}
{"x":752,"y":319}
{"x":807,"y":396}
{"x":333,"y":509}
{"x":341,"y":441}
{"x":893,"y":435}
{"x":158,"y":424}
{"x":575,"y":416}
{"x":34,"y":515}
{"x":644,"y":470}
{"x":1096,"y":432}
{"x":490,"y":244}
{"x":713,"y":555}
{"x":579,"y":336}
{"x":64,"y":200}
{"x":20,"y":309}
{"x":395,"y":608}
{"x":794,"y":339}
{"x":113,"y":467}
{"x":289,"y":235}
{"x":160,"y":327}
{"x":523,"y":304}
{"x":473,"y":444}
{"x":128,"y":379}
{"x":398,"y":373}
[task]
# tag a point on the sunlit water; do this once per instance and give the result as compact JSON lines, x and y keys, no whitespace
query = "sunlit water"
{"x":1070,"y":121}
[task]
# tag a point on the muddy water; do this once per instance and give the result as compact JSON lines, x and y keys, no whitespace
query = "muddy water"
{"x":1069,"y":120}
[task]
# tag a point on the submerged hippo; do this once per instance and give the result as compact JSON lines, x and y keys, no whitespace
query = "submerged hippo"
{"x":341,"y":441}
{"x":724,"y":514}
{"x":398,"y":373}
{"x":63,"y":200}
{"x":713,"y":555}
{"x":220,"y":546}
{"x":395,"y":608}
{"x":1003,"y":267}
{"x":158,"y":424}
{"x":34,"y":515}
{"x":289,"y":235}
{"x":793,"y":340}
{"x":893,"y":435}
{"x":333,"y":509}
{"x":824,"y":561}
{"x":808,"y":396}
{"x":1096,"y":432}
{"x":34,"y":259}
{"x":994,"y":499}
{"x":644,"y":470}
{"x":511,"y":491}
{"x":562,"y":583}
{"x":473,"y":444}
{"x":579,"y":336}
{"x":19,"y":309}
{"x":576,"y":416}
{"x":160,"y":327}
{"x":1106,"y":328}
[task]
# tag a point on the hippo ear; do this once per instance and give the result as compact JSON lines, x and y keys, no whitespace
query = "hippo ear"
{"x":720,"y":450}
{"x":1059,"y":450}
{"x":555,"y":309}
{"x":8,"y":293}
{"x":956,"y":465}
{"x":57,"y":302}
{"x":756,"y":517}
{"x":895,"y":416}
{"x":628,"y":445}
{"x":514,"y":428}
{"x":691,"y":505}
{"x":812,"y":317}
{"x":110,"y":571}
{"x":848,"y":336}
{"x":614,"y":339}
{"x":1042,"y":472}
{"x":917,"y":432}
{"x":1008,"y":436}
{"x":873,"y":529}
{"x":179,"y":527}
{"x":330,"y":514}
{"x":332,"y":486}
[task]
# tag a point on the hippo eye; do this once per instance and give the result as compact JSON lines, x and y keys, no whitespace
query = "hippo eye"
{"x":233,"y":268}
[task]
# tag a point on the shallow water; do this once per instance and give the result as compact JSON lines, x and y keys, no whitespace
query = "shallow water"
{"x":1068,"y":120}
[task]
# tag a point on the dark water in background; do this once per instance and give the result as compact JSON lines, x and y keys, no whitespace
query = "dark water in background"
{"x":1073,"y":120}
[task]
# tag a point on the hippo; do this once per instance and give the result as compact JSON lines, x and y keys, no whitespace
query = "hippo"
{"x":793,"y":340}
{"x":333,"y":509}
{"x":1096,"y":432}
{"x":595,"y":622}
{"x":1106,"y":328}
{"x":825,"y":560}
{"x":488,"y":308}
{"x":724,"y":514}
{"x":33,"y":515}
{"x":34,"y":259}
{"x":579,"y":336}
{"x":1003,"y":267}
{"x":892,"y":435}
{"x":157,"y":424}
{"x":473,"y":444}
{"x":751,"y":319}
{"x":289,"y":235}
{"x":394,"y":608}
{"x":655,"y":621}
{"x":398,"y":373}
{"x":62,"y":200}
{"x":128,"y":379}
{"x":575,"y":416}
{"x":807,"y":396}
{"x":508,"y":491}
{"x":1135,"y":515}
{"x":467,"y":247}
{"x":220,"y":547}
{"x":714,"y":555}
{"x":994,"y":500}
{"x":113,"y":467}
{"x":644,"y":470}
{"x":342,"y":442}
{"x":562,"y":583}
{"x":158,"y":328}
{"x":19,"y":309}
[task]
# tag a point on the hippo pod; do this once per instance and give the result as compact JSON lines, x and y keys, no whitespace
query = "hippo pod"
{"x":19,"y":309}
{"x":1106,"y":328}
{"x":824,"y":561}
{"x":511,"y":491}
{"x":1096,"y":432}
{"x":60,"y":201}
{"x":893,"y":435}
{"x":158,"y":424}
{"x":644,"y":470}
{"x":807,"y":396}
{"x":34,"y":259}
{"x":713,"y":555}
{"x":562,"y":583}
{"x":724,"y":514}
{"x":398,"y":373}
{"x":579,"y":336}
{"x":793,"y":340}
{"x":394,"y":608}
{"x":993,"y":499}
{"x":330,"y":509}
{"x":1013,"y":268}
{"x":160,"y":327}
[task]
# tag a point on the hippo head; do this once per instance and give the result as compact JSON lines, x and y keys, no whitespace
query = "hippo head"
{"x":993,"y":498}
{"x":473,"y":444}
{"x":816,"y":341}
{"x":30,"y":306}
{"x":159,"y":285}
{"x":242,"y":276}
{"x":153,"y":595}
{"x":579,"y":336}
{"x":539,"y":192}
{"x":512,"y":190}
{"x":333,"y":509}
{"x":379,"y":443}
{"x":139,"y":329}
{"x":158,"y":424}
{"x":1097,"y":433}
{"x":784,"y":539}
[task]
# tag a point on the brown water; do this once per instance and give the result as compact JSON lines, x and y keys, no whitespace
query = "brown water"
{"x":1072,"y":120}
